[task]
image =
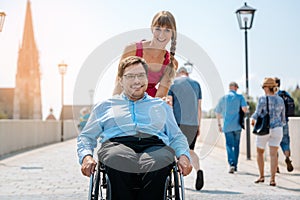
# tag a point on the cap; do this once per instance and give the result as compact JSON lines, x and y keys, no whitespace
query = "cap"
{"x":233,"y":84}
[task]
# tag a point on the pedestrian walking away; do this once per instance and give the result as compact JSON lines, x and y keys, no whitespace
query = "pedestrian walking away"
{"x":289,"y":111}
{"x":228,"y":108}
{"x":276,"y":110}
{"x":185,"y":97}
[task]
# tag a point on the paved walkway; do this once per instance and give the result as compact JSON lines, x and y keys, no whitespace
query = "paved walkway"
{"x":52,"y":172}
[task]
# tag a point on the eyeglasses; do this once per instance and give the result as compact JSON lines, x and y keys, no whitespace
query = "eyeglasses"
{"x":131,"y":77}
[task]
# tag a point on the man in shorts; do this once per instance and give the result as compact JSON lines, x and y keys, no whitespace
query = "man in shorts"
{"x":185,"y":97}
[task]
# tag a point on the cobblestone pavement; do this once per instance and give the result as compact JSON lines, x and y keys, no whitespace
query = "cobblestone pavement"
{"x":53,"y":172}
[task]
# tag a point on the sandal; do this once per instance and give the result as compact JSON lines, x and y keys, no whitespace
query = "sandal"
{"x":272,"y":183}
{"x":260,"y":180}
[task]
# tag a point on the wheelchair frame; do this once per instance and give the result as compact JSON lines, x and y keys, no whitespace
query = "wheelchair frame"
{"x":99,"y":188}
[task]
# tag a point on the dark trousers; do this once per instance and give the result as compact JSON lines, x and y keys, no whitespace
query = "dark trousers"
{"x":137,"y":166}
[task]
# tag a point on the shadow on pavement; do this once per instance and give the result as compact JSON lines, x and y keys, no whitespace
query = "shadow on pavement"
{"x":213,"y":191}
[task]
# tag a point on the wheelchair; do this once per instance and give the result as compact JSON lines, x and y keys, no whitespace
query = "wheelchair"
{"x":99,"y":188}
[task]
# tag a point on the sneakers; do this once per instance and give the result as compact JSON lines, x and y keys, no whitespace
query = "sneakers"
{"x":289,"y":165}
{"x":231,"y":170}
{"x":199,"y":180}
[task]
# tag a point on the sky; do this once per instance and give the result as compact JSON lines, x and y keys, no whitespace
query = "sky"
{"x":73,"y":30}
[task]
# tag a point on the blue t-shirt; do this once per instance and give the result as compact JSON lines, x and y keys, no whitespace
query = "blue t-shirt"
{"x":186,"y":94}
{"x":229,"y":107}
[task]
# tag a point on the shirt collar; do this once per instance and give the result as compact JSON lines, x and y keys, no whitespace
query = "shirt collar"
{"x":127,"y":99}
{"x":233,"y":91}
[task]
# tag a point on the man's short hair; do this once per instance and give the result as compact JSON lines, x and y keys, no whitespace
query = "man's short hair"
{"x":182,"y":69}
{"x":233,"y":84}
{"x":131,"y":60}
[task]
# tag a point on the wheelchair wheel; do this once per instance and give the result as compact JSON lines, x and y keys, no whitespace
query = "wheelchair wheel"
{"x":174,"y":186}
{"x":99,"y":185}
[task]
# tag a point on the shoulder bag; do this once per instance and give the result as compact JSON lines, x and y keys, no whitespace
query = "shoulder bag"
{"x":262,"y":125}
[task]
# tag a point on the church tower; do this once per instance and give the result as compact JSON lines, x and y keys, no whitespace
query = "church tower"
{"x":27,"y":96}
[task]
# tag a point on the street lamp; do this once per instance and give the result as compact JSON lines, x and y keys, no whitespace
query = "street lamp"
{"x":245,"y":16}
{"x":91,"y":92}
{"x":2,"y":18}
{"x":188,"y":66}
{"x":62,"y":67}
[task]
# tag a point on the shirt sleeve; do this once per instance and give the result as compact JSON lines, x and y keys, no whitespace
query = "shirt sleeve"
{"x":219,"y":107}
{"x":87,"y":139}
{"x":243,"y":102}
{"x":177,"y":140}
{"x":259,"y":108}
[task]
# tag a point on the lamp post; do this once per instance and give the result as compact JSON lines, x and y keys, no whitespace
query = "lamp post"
{"x":91,"y":92}
{"x":189,"y":66}
{"x":2,"y":18}
{"x":62,"y":67}
{"x":245,"y":16}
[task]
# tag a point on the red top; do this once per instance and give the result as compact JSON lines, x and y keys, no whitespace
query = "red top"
{"x":153,"y":77}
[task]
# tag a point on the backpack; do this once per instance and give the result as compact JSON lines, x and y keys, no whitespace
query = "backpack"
{"x":288,"y":102}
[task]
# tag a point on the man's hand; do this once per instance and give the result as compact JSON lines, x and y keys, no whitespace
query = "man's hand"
{"x":184,"y":165}
{"x":88,"y":166}
{"x":168,"y":100}
{"x":220,"y":128}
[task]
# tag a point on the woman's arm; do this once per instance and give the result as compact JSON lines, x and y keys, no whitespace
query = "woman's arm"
{"x":166,"y":81}
{"x":128,"y":51}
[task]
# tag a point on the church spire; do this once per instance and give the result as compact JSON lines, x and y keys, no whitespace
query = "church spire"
{"x":27,"y":97}
{"x":28,"y":34}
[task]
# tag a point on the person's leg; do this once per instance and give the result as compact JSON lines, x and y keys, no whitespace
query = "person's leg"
{"x":273,"y":164}
{"x":236,"y":148}
{"x":285,"y":146}
{"x":157,"y":161}
{"x":260,"y":149}
{"x":195,"y":160}
{"x":119,"y":161}
{"x":274,"y":143}
{"x":122,"y":184}
{"x":118,"y":156}
{"x":229,"y":148}
{"x":260,"y":164}
{"x":191,"y":132}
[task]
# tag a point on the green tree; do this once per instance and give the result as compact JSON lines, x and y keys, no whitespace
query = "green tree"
{"x":296,"y":96}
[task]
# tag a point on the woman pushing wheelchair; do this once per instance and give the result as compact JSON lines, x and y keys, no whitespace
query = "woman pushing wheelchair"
{"x":139,"y":138}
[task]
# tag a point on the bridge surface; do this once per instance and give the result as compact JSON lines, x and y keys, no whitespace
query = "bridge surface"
{"x":53,"y":172}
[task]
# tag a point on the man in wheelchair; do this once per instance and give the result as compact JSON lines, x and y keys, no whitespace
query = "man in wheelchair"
{"x":139,"y":138}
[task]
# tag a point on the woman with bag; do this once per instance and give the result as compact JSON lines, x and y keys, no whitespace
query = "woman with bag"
{"x":276,"y":110}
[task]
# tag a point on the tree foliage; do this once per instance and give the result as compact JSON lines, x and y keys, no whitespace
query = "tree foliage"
{"x":296,"y":96}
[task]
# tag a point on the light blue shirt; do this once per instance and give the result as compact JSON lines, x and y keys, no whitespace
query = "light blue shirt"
{"x":276,"y":110}
{"x":229,"y":107}
{"x":120,"y":116}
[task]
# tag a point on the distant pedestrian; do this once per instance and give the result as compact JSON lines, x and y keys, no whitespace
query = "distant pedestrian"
{"x":228,"y":108}
{"x":285,"y":142}
{"x":84,"y":116}
{"x":277,"y":121}
{"x":185,"y":96}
